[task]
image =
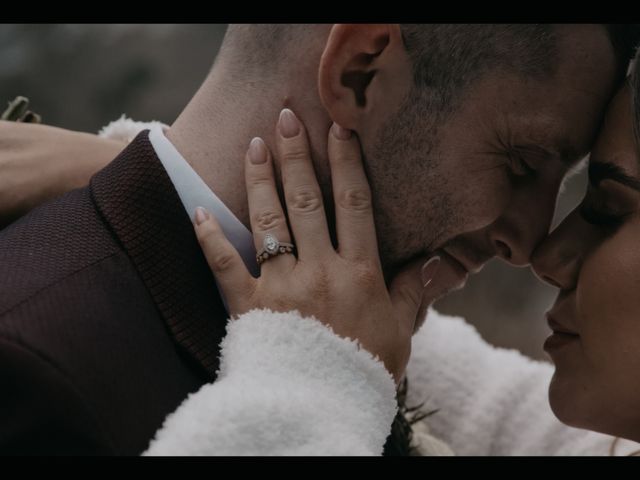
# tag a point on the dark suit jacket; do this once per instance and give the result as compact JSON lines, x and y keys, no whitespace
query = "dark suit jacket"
{"x":109,"y":315}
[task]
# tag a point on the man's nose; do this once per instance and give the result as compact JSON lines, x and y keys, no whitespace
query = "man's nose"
{"x":521,"y":228}
{"x":514,"y":247}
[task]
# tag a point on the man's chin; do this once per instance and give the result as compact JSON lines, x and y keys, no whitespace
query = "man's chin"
{"x":451,"y":276}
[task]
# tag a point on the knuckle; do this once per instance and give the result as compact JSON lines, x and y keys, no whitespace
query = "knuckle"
{"x":305,"y":200}
{"x":295,"y":154}
{"x":261,"y":179}
{"x":268,"y":219}
{"x":221,"y":261}
{"x":355,"y":198}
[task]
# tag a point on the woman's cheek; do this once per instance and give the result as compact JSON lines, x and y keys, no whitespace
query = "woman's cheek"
{"x":608,"y":299}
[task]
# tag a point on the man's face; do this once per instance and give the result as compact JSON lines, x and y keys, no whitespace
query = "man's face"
{"x":485,"y":182}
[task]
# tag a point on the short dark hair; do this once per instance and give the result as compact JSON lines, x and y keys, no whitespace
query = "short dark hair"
{"x":448,"y":57}
{"x":262,"y":46}
{"x":624,"y":39}
{"x":443,"y":54}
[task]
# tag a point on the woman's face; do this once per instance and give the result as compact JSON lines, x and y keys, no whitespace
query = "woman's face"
{"x":594,"y":258}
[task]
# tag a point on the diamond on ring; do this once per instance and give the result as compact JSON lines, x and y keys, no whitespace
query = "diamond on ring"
{"x":272,"y":247}
{"x":270,"y":243}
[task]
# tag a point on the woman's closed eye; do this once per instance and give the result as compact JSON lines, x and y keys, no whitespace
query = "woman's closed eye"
{"x":612,"y":195}
{"x":599,"y":216}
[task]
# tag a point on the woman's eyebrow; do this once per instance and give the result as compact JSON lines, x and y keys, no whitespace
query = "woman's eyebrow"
{"x":599,"y":171}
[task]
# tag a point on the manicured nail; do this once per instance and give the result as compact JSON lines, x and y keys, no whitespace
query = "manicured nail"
{"x":201,"y":215}
{"x":340,"y":133}
{"x":288,"y":123}
{"x":257,"y":151}
{"x":429,"y":270}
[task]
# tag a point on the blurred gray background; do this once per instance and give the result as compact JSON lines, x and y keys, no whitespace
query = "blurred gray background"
{"x":82,"y":76}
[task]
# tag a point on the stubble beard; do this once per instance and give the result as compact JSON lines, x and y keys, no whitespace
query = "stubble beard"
{"x":412,"y":196}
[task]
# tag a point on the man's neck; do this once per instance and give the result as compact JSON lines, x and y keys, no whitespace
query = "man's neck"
{"x":213,"y":134}
{"x":210,"y":137}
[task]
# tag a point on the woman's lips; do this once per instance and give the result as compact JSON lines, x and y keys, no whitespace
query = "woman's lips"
{"x":561,"y":336}
{"x":559,"y":327}
{"x":558,"y":340}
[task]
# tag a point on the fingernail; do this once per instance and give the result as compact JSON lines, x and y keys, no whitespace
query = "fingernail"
{"x":257,"y":151}
{"x":288,"y":123}
{"x":201,"y":215}
{"x":429,"y":270}
{"x":340,"y":133}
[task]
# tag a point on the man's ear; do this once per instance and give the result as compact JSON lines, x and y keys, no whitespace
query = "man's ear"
{"x":361,"y":67}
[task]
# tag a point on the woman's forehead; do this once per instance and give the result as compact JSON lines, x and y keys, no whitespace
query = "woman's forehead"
{"x":617,"y":142}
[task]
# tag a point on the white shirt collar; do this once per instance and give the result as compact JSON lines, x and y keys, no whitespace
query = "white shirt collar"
{"x":193,"y":192}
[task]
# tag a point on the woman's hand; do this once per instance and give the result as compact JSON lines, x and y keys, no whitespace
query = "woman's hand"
{"x":344,"y":289}
{"x":39,"y":163}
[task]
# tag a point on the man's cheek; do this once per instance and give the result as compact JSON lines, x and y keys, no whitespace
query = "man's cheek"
{"x":483,"y":206}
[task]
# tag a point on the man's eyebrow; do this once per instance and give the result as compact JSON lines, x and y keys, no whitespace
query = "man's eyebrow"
{"x":599,"y":171}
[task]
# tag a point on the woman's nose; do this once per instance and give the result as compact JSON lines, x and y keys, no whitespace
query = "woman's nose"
{"x":556,"y":259}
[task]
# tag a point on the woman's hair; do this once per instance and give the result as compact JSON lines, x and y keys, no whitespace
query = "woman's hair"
{"x":634,"y":83}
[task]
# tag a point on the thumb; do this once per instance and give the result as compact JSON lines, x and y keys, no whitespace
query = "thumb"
{"x":407,"y":289}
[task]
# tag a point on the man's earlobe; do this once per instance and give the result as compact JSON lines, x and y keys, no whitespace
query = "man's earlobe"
{"x":347,"y":68}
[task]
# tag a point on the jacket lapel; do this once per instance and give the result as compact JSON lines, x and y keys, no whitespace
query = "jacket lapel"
{"x":138,"y":201}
